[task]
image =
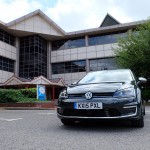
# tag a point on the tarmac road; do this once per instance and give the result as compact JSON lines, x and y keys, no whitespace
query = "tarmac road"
{"x":42,"y":130}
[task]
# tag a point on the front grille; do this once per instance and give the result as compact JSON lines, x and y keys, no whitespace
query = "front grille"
{"x":76,"y":95}
{"x":110,"y":94}
{"x":95,"y":95}
{"x":92,"y":113}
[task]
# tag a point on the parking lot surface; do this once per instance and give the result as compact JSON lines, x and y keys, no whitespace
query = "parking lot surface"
{"x":42,"y":130}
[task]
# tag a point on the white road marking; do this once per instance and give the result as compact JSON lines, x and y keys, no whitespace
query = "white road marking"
{"x":10,"y":119}
{"x":46,"y":113}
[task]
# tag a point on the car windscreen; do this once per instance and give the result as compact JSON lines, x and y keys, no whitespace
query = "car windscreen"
{"x":107,"y":76}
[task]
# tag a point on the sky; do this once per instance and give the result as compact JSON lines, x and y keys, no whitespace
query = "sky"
{"x":74,"y":15}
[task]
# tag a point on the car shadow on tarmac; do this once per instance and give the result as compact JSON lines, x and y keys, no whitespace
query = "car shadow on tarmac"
{"x":105,"y":126}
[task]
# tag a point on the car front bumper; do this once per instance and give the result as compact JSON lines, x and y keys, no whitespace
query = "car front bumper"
{"x":102,"y":117}
{"x":118,"y":109}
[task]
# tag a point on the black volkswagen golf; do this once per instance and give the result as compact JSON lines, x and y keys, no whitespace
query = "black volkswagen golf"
{"x":107,"y":94}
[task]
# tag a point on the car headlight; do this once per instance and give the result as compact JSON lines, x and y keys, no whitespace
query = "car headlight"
{"x":63,"y":94}
{"x":129,"y":92}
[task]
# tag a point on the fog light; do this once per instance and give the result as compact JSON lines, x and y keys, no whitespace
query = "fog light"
{"x":130,"y":109}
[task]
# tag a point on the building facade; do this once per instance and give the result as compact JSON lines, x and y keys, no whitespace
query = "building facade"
{"x":34,"y":45}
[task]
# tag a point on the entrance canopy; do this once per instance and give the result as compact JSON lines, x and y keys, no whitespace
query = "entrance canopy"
{"x":53,"y":86}
{"x":38,"y":80}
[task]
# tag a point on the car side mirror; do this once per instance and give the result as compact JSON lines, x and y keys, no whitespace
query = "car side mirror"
{"x":141,"y":80}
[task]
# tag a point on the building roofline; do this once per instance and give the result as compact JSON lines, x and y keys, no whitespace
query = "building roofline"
{"x":44,"y":16}
{"x":90,"y":31}
{"x":23,"y":81}
{"x":119,"y":26}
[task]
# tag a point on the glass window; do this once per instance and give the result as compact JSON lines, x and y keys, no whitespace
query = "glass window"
{"x":33,"y":57}
{"x":7,"y":38}
{"x":103,"y":64}
{"x":6,"y":64}
{"x":105,"y":39}
{"x":68,"y":43}
{"x":69,"y":67}
{"x":92,"y":40}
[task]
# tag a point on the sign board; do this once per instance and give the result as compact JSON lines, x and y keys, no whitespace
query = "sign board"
{"x":41,"y":92}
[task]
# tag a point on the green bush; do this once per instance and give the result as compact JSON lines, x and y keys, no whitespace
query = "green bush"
{"x":18,"y":95}
{"x":30,"y":93}
{"x":10,"y":95}
{"x":28,"y":100}
{"x":146,"y":94}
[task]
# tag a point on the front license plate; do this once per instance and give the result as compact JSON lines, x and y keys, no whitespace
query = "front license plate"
{"x":91,"y":105}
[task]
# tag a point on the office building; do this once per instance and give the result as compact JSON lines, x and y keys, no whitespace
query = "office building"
{"x":35,"y":46}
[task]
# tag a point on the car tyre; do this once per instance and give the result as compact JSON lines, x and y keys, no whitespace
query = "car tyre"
{"x":139,"y":122}
{"x":67,"y":122}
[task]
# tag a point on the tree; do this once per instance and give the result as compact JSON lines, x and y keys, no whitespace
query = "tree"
{"x":133,"y":50}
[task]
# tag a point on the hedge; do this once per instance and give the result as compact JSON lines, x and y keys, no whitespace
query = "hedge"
{"x":146,"y":94}
{"x":17,"y":95}
{"x":30,"y":93}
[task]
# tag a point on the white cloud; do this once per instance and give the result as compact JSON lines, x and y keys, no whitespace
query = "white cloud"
{"x":81,"y":14}
{"x":120,"y":15}
{"x":10,"y":10}
{"x":73,"y":15}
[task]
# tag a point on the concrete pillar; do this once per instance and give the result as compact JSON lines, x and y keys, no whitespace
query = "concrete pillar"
{"x":53,"y":93}
{"x":86,"y":40}
{"x":49,"y":70}
{"x":87,"y":60}
{"x":17,"y":58}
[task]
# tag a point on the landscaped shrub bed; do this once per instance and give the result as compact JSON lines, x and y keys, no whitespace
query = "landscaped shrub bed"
{"x":146,"y":94}
{"x":30,"y":93}
{"x":18,"y":95}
